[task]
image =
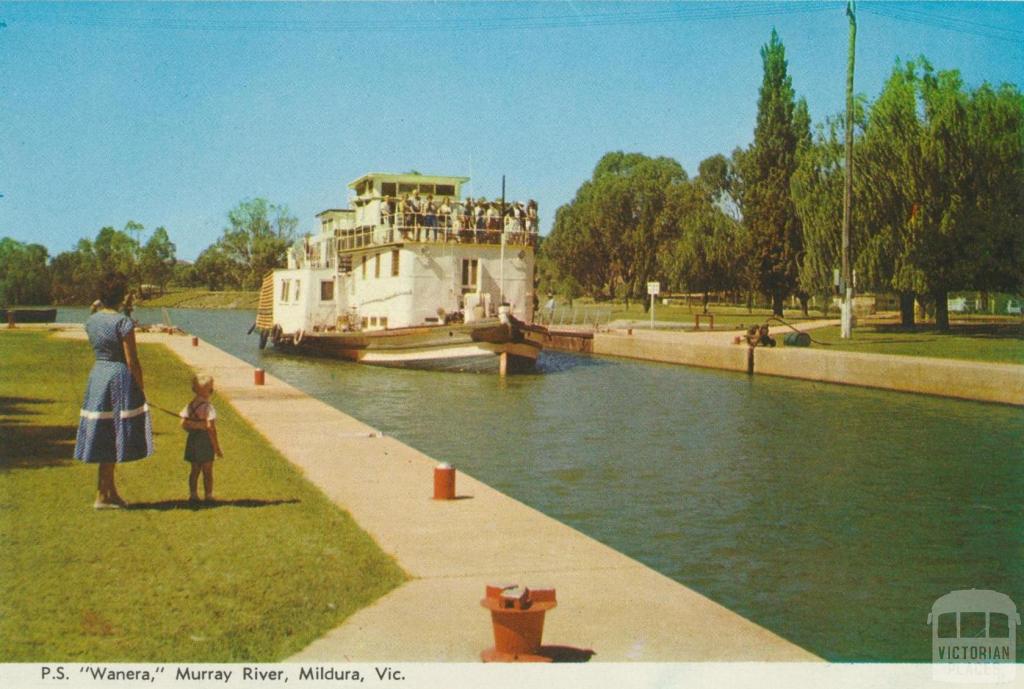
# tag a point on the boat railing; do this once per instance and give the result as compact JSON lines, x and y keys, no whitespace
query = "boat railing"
{"x":575,"y":317}
{"x":446,"y":231}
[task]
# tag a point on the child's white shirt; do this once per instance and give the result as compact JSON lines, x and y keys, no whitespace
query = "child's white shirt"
{"x":201,"y":411}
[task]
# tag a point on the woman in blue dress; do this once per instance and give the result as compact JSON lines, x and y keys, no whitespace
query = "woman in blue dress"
{"x":114,"y":424}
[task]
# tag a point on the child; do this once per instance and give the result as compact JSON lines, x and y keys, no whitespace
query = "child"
{"x":198,"y":419}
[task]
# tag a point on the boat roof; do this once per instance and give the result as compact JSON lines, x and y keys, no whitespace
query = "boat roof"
{"x":335,"y":210}
{"x":408,"y":177}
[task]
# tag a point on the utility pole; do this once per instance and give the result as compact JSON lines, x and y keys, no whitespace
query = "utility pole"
{"x":846,"y":327}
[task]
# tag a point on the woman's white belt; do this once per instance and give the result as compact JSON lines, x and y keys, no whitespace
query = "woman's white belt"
{"x":125,"y":413}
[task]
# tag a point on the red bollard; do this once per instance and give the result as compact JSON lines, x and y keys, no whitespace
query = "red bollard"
{"x":195,"y":341}
{"x":517,"y":616}
{"x":444,"y":482}
{"x":258,"y":376}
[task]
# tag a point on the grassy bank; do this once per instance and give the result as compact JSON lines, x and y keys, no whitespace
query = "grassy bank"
{"x":258,"y":575}
{"x":202,"y":299}
{"x":728,"y":316}
{"x":1001,"y":342}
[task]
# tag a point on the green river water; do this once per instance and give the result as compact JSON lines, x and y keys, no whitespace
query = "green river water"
{"x":832,"y":515}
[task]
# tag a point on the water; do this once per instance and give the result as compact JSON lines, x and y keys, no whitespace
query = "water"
{"x":833,"y":516}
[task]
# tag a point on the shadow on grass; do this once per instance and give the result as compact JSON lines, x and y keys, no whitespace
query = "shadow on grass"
{"x":166,"y":505}
{"x":28,"y":447}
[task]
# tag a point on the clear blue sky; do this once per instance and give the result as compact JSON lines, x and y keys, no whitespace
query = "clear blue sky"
{"x":170,"y":114}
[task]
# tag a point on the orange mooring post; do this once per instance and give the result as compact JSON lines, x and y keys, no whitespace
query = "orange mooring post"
{"x":195,"y":341}
{"x":258,"y":377}
{"x":517,"y":615}
{"x":444,"y":482}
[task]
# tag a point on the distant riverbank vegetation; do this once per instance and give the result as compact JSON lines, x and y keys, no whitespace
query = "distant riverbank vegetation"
{"x":254,"y":241}
{"x":938,"y":172}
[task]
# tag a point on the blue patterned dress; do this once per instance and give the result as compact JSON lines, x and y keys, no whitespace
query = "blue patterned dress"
{"x":114,"y":423}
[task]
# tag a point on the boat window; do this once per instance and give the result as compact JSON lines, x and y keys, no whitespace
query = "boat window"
{"x":298,"y":289}
{"x":365,"y":321}
{"x":394,"y":262}
{"x":389,"y":189}
{"x":365,"y":259}
{"x":376,"y":265}
{"x":373,"y":320}
{"x":445,"y":190}
{"x":427,"y":189}
{"x":406,"y":188}
{"x":285,"y":285}
{"x":327,"y":290}
{"x":469,"y":269}
{"x":383,"y":321}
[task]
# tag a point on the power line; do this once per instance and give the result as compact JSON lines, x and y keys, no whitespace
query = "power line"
{"x":655,"y":14}
{"x":948,"y":23}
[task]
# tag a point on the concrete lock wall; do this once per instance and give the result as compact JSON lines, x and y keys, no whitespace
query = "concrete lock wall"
{"x":671,"y":351}
{"x":1003,"y":383}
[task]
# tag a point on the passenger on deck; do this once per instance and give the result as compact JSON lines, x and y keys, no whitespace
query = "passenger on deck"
{"x":444,"y":211}
{"x":531,"y":216}
{"x":408,"y":215}
{"x":478,"y":214}
{"x":430,"y":218}
{"x":385,"y":211}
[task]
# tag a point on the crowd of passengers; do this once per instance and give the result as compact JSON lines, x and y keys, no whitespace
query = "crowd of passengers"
{"x":413,"y":214}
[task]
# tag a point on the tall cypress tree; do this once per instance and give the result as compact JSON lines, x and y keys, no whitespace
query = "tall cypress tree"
{"x":769,"y":213}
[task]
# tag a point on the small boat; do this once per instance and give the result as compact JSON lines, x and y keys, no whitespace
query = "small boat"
{"x":410,"y":275}
{"x":18,"y":315}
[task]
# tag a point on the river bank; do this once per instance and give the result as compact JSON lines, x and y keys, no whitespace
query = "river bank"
{"x":1001,"y":383}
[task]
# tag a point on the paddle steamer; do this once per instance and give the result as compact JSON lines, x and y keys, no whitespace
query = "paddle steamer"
{"x":410,"y":274}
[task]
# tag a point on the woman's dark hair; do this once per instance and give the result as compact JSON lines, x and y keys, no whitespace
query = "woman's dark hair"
{"x":111,"y":288}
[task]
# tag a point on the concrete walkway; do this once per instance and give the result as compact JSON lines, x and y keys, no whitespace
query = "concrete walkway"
{"x":607,"y":602}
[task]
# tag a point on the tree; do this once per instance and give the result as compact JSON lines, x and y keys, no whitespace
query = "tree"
{"x":256,"y":241}
{"x":157,"y":260}
{"x":704,"y":252}
{"x":769,"y":164}
{"x":213,"y":269}
{"x":941,"y":179}
{"x":24,"y":277}
{"x":817,"y":189}
{"x":608,"y":236}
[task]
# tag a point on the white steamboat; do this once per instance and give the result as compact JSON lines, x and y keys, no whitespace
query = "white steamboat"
{"x":411,"y":274}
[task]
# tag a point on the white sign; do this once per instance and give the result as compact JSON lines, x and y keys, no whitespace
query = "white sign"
{"x":653,"y":288}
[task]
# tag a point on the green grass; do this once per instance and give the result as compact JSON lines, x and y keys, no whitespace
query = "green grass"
{"x":256,"y":577}
{"x":177,"y":297}
{"x":994,"y":342}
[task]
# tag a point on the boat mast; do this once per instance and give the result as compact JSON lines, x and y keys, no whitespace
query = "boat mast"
{"x":501,"y":264}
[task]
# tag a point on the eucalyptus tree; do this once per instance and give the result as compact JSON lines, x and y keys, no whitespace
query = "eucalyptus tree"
{"x":767,"y":167}
{"x":256,"y":241}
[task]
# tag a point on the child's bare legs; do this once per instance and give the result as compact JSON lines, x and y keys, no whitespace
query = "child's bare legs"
{"x":207,"y":468}
{"x":193,"y":481}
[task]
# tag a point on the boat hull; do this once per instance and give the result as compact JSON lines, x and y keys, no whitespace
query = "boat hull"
{"x":474,"y":347}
